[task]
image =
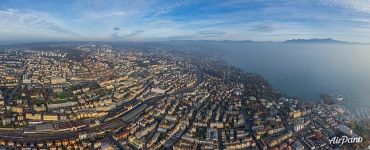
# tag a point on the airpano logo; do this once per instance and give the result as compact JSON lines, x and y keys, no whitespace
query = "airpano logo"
{"x":345,"y":139}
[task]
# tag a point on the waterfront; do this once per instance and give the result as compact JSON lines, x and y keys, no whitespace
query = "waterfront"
{"x":308,"y":70}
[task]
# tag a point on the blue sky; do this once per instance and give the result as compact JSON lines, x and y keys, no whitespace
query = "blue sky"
{"x":159,"y":20}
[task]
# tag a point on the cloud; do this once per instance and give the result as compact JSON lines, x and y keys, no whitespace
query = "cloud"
{"x":165,"y":10}
{"x":102,"y":14}
{"x":264,"y":27}
{"x":31,"y":22}
{"x":116,"y":35}
{"x":219,"y":20}
{"x":134,"y":33}
{"x":116,"y":28}
{"x":358,"y":5}
{"x":211,"y":33}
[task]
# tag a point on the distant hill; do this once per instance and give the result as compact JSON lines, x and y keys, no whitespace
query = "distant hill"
{"x":317,"y":41}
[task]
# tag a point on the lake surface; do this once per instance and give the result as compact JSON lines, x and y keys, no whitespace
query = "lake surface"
{"x":309,"y":70}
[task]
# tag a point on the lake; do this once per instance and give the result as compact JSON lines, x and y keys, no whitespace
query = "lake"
{"x":307,"y":70}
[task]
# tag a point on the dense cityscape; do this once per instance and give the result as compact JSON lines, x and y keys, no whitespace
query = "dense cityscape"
{"x":96,"y":96}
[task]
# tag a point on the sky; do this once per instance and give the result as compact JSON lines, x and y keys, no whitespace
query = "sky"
{"x":162,"y":20}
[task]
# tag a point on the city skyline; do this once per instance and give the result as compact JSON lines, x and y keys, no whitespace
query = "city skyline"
{"x":96,"y":95}
{"x":184,"y":75}
{"x":257,"y":20}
